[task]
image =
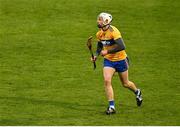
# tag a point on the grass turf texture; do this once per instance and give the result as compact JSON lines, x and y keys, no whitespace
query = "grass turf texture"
{"x":46,"y":77}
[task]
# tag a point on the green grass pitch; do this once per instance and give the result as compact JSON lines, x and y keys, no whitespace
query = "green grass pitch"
{"x":46,"y":77}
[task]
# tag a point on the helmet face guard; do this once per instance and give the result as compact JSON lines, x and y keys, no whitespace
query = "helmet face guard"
{"x":104,"y":19}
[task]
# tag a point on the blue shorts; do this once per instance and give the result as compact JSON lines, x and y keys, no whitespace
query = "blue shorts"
{"x":119,"y":66}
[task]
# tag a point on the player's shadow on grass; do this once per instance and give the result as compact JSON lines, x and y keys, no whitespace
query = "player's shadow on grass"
{"x":69,"y":105}
{"x":36,"y":101}
{"x":72,"y":105}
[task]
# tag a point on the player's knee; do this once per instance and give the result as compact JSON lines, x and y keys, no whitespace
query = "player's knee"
{"x":107,"y":81}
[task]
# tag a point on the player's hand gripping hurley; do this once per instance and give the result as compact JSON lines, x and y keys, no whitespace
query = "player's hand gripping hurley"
{"x":89,"y":45}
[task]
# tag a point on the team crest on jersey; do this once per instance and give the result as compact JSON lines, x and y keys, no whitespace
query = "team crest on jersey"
{"x":106,"y":42}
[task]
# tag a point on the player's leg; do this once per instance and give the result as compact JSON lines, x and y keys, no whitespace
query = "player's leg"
{"x":130,"y":85}
{"x":125,"y":81}
{"x":108,"y":73}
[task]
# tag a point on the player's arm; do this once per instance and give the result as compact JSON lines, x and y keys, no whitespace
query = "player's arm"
{"x":118,"y":46}
{"x":99,"y":48}
{"x":98,"y":51}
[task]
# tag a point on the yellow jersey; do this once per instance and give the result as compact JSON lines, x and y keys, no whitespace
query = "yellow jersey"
{"x":107,"y":39}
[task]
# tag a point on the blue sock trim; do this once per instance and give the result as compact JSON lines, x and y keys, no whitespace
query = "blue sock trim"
{"x":111,"y":103}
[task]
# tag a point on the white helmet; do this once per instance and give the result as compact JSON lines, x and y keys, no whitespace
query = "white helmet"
{"x":106,"y":17}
